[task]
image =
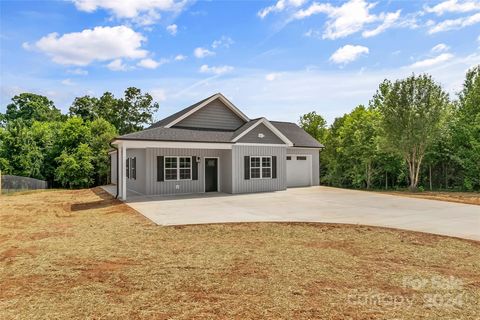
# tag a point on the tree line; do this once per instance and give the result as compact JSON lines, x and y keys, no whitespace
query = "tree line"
{"x":68,"y":150}
{"x":411,"y":135}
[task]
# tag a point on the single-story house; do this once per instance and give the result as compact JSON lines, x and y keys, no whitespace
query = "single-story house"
{"x":213,"y":146}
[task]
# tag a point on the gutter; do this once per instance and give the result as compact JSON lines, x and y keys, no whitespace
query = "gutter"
{"x":118,"y":168}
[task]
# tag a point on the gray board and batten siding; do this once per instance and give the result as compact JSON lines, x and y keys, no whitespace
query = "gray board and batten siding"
{"x":215,"y":115}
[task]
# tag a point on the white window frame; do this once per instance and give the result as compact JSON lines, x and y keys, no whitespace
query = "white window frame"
{"x":261,"y":167}
{"x":177,"y":168}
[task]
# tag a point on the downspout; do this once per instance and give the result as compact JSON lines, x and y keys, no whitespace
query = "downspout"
{"x":118,"y":168}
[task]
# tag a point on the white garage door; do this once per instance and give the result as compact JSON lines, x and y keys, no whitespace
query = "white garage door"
{"x":299,"y":171}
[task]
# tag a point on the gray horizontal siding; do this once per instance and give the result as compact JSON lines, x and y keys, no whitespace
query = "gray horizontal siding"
{"x":240,"y":185}
{"x":269,"y":136}
{"x":315,"y":153}
{"x":215,"y":115}
{"x":155,"y":187}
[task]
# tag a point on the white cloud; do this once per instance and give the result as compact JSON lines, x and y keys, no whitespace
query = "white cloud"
{"x":202,"y":52}
{"x":348,"y":53}
{"x":311,"y":33}
{"x":117,"y":65}
{"x":453,"y":6}
{"x":280,"y":6}
{"x":388,"y":21}
{"x":180,"y":57}
{"x":351,"y":17}
{"x":215,"y":70}
{"x":272,"y":76}
{"x":432,"y":61}
{"x":441,"y":47}
{"x":98,"y":44}
{"x":455,"y":24}
{"x":78,"y":72}
{"x":172,"y":29}
{"x":224,"y":41}
{"x":143,"y":12}
{"x":158,"y":94}
{"x":68,"y":82}
{"x":150,"y":63}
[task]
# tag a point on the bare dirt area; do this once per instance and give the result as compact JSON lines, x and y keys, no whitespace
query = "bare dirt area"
{"x":460,"y":197}
{"x":81,"y":254}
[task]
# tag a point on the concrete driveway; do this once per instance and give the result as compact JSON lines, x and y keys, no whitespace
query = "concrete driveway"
{"x":315,"y":204}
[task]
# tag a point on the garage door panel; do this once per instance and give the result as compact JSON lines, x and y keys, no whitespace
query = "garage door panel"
{"x":299,"y":171}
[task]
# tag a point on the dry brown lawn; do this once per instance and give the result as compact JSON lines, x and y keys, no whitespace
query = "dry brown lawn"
{"x":460,"y":197}
{"x":81,"y":254}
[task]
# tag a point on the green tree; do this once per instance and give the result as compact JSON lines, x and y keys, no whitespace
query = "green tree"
{"x":85,"y":107}
{"x":412,"y":111}
{"x":101,"y":132}
{"x":467,"y":129}
{"x":128,"y":114}
{"x":29,"y":107}
{"x":75,"y":168}
{"x":314,"y":125}
{"x":359,"y":145}
{"x":22,"y":156}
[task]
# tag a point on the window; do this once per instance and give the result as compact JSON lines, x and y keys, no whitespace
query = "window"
{"x":301,"y":158}
{"x":178,"y":168}
{"x":289,"y":158}
{"x":133,"y":170}
{"x":260,"y":167}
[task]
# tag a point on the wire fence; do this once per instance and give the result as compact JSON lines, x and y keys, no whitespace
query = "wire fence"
{"x":11,"y":184}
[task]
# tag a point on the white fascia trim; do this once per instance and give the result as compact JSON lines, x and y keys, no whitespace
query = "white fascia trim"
{"x":140,"y":144}
{"x":269,"y":126}
{"x":260,"y":145}
{"x":200,"y":106}
{"x":304,"y":148}
{"x":112,"y":152}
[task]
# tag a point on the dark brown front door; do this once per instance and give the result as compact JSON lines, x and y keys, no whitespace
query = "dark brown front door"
{"x":211,"y":174}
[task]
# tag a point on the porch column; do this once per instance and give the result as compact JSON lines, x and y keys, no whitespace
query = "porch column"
{"x":123,"y":171}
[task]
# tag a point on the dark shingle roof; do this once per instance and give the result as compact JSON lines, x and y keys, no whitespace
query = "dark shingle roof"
{"x":158,"y":132}
{"x":294,"y":133}
{"x":297,"y":135}
{"x":244,"y":127}
{"x":178,"y":114}
{"x":179,"y":134}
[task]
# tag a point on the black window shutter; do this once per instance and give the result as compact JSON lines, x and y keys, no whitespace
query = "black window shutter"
{"x":160,"y":168}
{"x":194,"y":168}
{"x":247,"y":167}
{"x":128,"y":168}
{"x":274,"y":167}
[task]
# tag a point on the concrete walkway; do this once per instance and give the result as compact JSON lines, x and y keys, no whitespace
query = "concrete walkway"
{"x":314,"y":204}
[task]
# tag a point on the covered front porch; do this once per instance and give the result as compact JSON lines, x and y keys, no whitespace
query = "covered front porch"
{"x":171,"y":168}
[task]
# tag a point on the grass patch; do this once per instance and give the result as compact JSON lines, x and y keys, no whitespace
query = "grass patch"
{"x":459,"y":197}
{"x":82,"y":254}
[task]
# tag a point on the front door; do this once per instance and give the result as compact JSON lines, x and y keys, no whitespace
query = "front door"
{"x":211,"y":174}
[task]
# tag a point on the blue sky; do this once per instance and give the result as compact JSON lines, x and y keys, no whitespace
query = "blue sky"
{"x":277,"y":59}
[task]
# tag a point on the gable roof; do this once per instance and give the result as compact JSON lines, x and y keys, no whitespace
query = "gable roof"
{"x":297,"y":135}
{"x":178,"y":114}
{"x":179,"y":134}
{"x":182,"y":114}
{"x":288,"y":132}
{"x":250,"y":126}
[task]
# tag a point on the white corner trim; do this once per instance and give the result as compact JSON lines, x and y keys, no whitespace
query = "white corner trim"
{"x":269,"y":126}
{"x":200,"y":106}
